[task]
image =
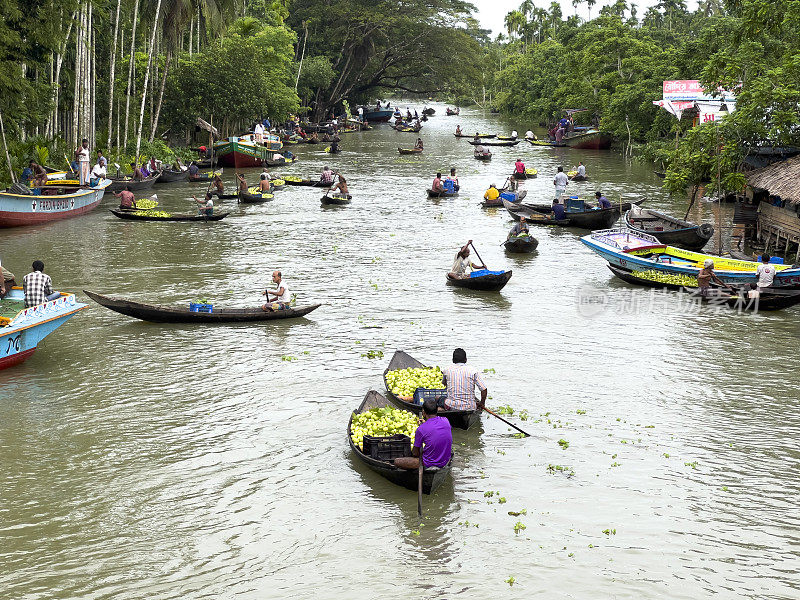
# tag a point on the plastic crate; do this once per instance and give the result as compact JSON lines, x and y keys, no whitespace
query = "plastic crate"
{"x":509,"y":196}
{"x":773,"y":260}
{"x":193,"y":307}
{"x":422,"y":394}
{"x":573,"y":205}
{"x":387,"y":447}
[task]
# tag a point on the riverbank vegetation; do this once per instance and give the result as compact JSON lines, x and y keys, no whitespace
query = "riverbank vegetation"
{"x":614,"y":66}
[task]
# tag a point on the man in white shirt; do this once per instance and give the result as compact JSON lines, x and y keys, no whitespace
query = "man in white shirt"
{"x":765,"y":272}
{"x":361,"y":114}
{"x":581,"y":170}
{"x":98,"y":172}
{"x":514,"y":133}
{"x":258,"y":132}
{"x":529,"y":135}
{"x":282,"y":295}
{"x":560,"y":181}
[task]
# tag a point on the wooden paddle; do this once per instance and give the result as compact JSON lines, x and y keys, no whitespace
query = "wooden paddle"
{"x":419,"y":486}
{"x":506,"y":422}
{"x":478,"y":255}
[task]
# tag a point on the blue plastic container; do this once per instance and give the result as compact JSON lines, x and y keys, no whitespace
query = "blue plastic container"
{"x":575,"y":205}
{"x":775,"y":260}
{"x":484,"y":272}
{"x":193,"y":307}
{"x":509,"y":196}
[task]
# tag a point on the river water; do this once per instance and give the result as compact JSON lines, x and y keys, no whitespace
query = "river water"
{"x":167,"y":461}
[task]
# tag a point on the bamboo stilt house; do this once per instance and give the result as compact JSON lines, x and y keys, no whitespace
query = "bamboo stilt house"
{"x":776,"y":191}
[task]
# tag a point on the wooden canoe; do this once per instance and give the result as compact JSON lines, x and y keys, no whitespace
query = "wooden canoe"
{"x":485,"y":283}
{"x":482,"y":136}
{"x":483,"y":156}
{"x":170,"y":176}
{"x":529,"y":173}
{"x":668,"y":229}
{"x":521,"y":244}
{"x":249,"y":197}
{"x":507,"y":138}
{"x":445,"y":194}
{"x":410,"y":150}
{"x":459,"y":419}
{"x":493,"y":144}
{"x":432,"y":478}
{"x":131,"y":216}
{"x":118,"y":184}
{"x":770,"y":298}
{"x":173,"y":314}
{"x":289,"y":180}
{"x":335,"y":199}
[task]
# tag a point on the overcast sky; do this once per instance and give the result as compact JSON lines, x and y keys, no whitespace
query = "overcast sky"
{"x":492,"y":13}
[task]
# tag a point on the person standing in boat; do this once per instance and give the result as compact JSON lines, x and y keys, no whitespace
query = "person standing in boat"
{"x":462,"y":266}
{"x":258,"y":133}
{"x":242,"y":182}
{"x":82,"y":156}
{"x":560,"y":181}
{"x":126,"y":199}
{"x":282,"y":297}
{"x":461,"y":381}
{"x":37,"y":286}
{"x":206,"y":205}
{"x":433,"y":440}
{"x":706,"y":276}
{"x":602,"y":201}
{"x":765,"y":272}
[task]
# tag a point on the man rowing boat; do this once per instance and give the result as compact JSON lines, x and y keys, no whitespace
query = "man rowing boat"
{"x":462,"y":266}
{"x":282,"y":298}
{"x":461,"y":380}
{"x":433,"y":440}
{"x":519,"y":228}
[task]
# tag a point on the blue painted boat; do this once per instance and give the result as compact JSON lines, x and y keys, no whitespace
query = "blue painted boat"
{"x":633,"y":251}
{"x":21,"y":329}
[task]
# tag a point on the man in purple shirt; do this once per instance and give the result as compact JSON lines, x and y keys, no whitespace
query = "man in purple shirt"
{"x":433,"y":438}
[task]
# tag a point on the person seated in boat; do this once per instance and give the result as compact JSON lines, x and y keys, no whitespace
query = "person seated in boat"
{"x":765,"y":272}
{"x":27,"y":175}
{"x":242,"y":182}
{"x":326,"y":137}
{"x":314,"y":138}
{"x":145,"y":170}
{"x":178,"y":165}
{"x":514,"y":134}
{"x":136,"y":174}
{"x":341,"y":185}
{"x":462,"y":266}
{"x":206,"y":205}
{"x":126,"y":199}
{"x":38,"y":174}
{"x":418,"y":144}
{"x":452,"y":181}
{"x":408,"y":115}
{"x":529,"y":135}
{"x":155,"y":165}
{"x":37,"y":286}
{"x":264,"y":184}
{"x":706,"y":276}
{"x":433,"y":440}
{"x":216,"y":185}
{"x":559,"y":213}
{"x":282,"y":297}
{"x":476,"y":139}
{"x":602,"y":201}
{"x":416,"y":114}
{"x":7,"y":281}
{"x":492,"y":193}
{"x":519,"y":167}
{"x":194,"y":171}
{"x":461,"y":381}
{"x":335,"y":144}
{"x":326,"y":177}
{"x":98,"y":173}
{"x":281,"y":157}
{"x":458,"y":129}
{"x":519,"y":228}
{"x":437,"y":186}
{"x":581,"y":170}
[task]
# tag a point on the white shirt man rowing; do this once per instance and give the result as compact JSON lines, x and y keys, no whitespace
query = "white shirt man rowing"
{"x":282,"y":297}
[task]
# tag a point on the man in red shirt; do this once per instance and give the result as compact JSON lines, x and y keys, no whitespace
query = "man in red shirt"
{"x":126,"y":199}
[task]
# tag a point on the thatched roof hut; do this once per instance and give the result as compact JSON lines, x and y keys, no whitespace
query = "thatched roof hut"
{"x":780,"y":179}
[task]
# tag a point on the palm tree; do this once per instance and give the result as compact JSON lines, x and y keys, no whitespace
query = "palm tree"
{"x":515,"y":22}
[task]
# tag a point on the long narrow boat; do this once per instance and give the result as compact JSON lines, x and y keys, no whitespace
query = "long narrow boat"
{"x":133,"y":216}
{"x":459,"y":419}
{"x":54,"y":203}
{"x":669,"y":230}
{"x":135,"y":185}
{"x":156,"y":313}
{"x":589,"y":219}
{"x":244,"y":151}
{"x":482,"y":136}
{"x":335,"y":199}
{"x":591,"y":139}
{"x":489,"y":282}
{"x":21,"y":329}
{"x":204,"y":177}
{"x":429,"y":111}
{"x":506,"y":138}
{"x":444,"y":194}
{"x":410,"y":150}
{"x":493,"y":144}
{"x":292,"y":180}
{"x":521,"y":244}
{"x":633,"y":251}
{"x":253,"y":196}
{"x":432,"y":477}
{"x":513,"y":197}
{"x":768,"y":299}
{"x":170,"y":176}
